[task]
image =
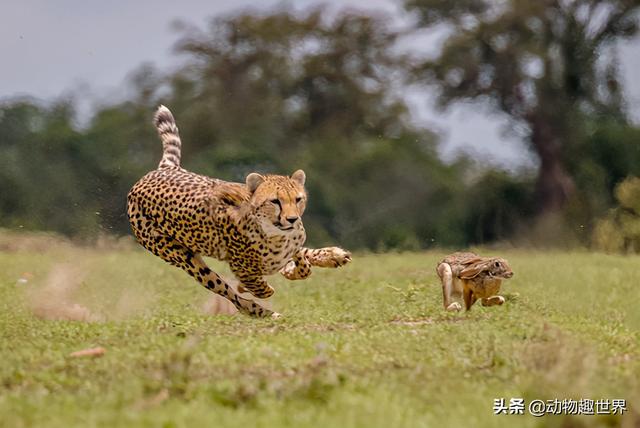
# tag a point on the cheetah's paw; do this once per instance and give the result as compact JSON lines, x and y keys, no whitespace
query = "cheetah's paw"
{"x":338,"y":256}
{"x":290,"y":271}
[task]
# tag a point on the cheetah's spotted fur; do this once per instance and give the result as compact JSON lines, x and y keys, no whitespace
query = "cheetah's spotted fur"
{"x":256,"y":226}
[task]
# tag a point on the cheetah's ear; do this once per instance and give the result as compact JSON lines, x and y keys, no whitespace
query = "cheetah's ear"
{"x":253,"y":181}
{"x":299,"y":176}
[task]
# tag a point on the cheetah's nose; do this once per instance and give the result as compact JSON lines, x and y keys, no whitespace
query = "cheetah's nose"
{"x":292,"y":219}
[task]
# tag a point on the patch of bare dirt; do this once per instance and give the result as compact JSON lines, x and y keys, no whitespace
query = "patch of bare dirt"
{"x":90,"y":352}
{"x":433,"y":320}
{"x":413,"y":322}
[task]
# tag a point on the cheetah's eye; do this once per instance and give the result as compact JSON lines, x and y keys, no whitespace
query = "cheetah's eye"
{"x":275,"y":202}
{"x":298,"y":199}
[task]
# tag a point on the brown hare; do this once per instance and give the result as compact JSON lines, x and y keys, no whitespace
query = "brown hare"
{"x":474,"y":278}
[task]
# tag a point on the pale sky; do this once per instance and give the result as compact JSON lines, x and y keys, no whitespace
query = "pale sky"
{"x":53,"y":48}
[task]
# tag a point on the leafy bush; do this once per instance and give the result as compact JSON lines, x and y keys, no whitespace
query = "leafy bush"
{"x":619,"y":230}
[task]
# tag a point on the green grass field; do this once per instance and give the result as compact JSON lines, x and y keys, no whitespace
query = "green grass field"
{"x":368,"y":345}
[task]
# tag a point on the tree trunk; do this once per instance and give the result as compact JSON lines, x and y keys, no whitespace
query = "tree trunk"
{"x":554,"y":185}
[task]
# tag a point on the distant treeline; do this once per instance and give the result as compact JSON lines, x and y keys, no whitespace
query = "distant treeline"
{"x":281,"y":91}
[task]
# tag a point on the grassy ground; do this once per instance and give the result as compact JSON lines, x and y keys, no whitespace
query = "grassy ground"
{"x":365,"y":346}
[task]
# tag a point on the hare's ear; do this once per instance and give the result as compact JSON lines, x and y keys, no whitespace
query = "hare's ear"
{"x":253,"y":181}
{"x":472,"y":271}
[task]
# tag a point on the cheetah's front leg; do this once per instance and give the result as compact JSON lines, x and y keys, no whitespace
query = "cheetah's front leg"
{"x":300,"y":265}
{"x":328,"y":257}
{"x":254,"y":284}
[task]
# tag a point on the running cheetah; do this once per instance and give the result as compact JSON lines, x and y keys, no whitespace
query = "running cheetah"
{"x":254,"y":226}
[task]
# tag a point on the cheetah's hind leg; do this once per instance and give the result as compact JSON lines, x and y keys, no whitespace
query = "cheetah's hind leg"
{"x":172,"y":251}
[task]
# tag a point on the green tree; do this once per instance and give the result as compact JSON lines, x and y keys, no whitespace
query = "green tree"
{"x":281,"y":91}
{"x":45,"y":177}
{"x":269,"y":93}
{"x":619,"y":230}
{"x":546,"y":64}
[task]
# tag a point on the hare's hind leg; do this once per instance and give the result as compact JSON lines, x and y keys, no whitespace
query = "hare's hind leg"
{"x":493,"y":301}
{"x":448,"y":287}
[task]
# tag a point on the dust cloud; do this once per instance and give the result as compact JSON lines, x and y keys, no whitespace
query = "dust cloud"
{"x":54,"y":299}
{"x":59,"y":297}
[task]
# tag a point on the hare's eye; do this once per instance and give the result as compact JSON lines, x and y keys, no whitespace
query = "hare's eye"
{"x":497,"y":264}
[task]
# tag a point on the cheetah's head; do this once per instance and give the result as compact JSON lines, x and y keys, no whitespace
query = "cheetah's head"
{"x":279,"y":201}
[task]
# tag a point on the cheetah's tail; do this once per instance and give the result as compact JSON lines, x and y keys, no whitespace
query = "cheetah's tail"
{"x":170,"y":137}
